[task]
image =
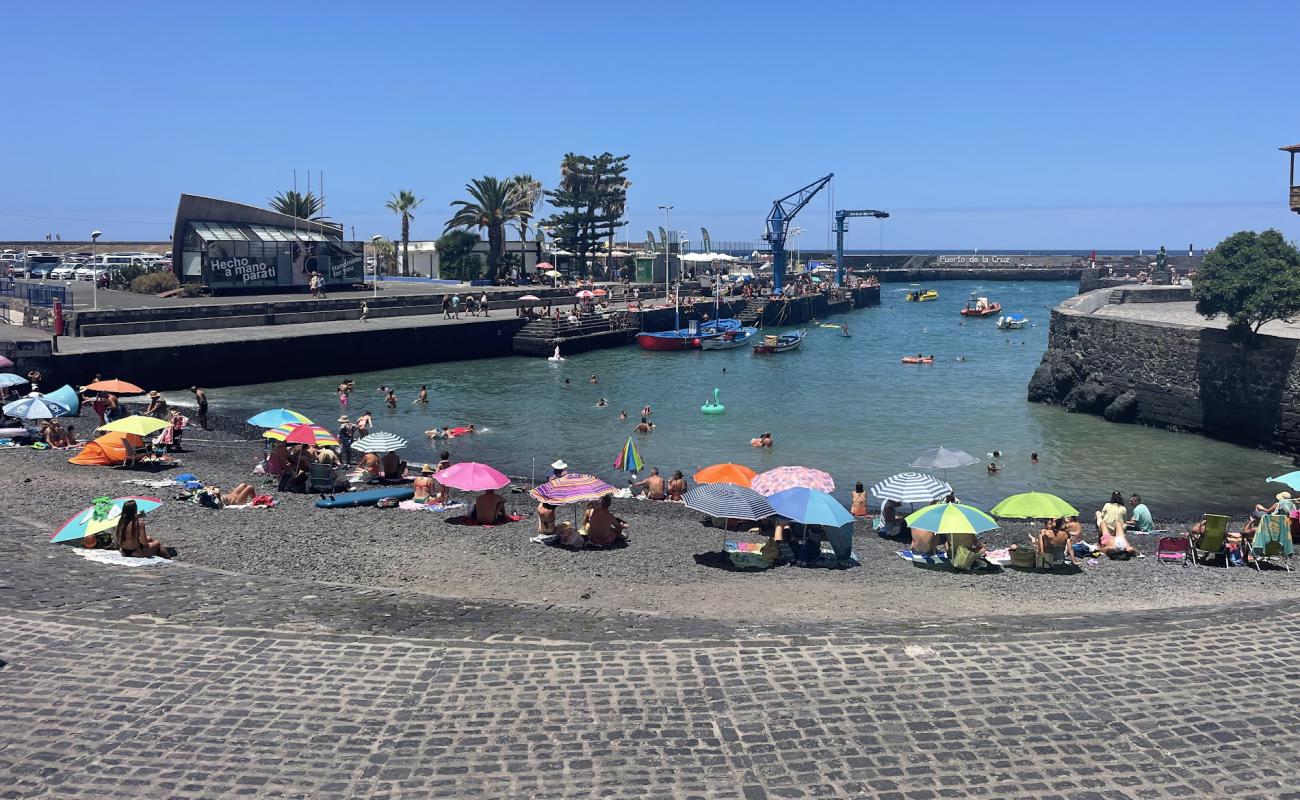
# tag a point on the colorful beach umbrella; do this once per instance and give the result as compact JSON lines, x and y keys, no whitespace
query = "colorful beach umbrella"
{"x":137,"y":424}
{"x":737,"y":474}
{"x":379,"y":442}
{"x":810,"y":506}
{"x":1033,"y":505}
{"x":114,"y":386}
{"x":5,"y":363}
{"x":951,"y":518}
{"x":628,"y":459}
{"x":585,"y":295}
{"x":781,"y":478}
{"x":100,"y":517}
{"x":728,"y":501}
{"x":275,"y":417}
{"x":34,"y":408}
{"x":302,"y":433}
{"x":600,"y":292}
{"x":471,"y":476}
{"x":8,"y":379}
{"x":911,"y":487}
{"x":573,"y":487}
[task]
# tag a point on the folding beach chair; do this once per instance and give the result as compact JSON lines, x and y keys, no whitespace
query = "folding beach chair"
{"x":963,"y":552}
{"x":1272,"y":541}
{"x":320,"y":478}
{"x":1213,"y":542}
{"x":133,"y":455}
{"x":1172,"y":550}
{"x":1053,"y":556}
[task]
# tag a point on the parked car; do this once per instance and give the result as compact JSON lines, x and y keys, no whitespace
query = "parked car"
{"x":63,"y":272}
{"x":88,"y":272}
{"x":40,"y":271}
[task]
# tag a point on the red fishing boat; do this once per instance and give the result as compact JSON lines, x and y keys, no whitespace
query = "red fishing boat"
{"x":980,"y":307}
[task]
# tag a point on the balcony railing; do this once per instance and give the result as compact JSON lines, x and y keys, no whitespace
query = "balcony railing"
{"x":1295,"y":199}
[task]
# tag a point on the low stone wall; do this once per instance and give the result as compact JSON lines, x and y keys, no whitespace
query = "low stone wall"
{"x":1172,"y":376}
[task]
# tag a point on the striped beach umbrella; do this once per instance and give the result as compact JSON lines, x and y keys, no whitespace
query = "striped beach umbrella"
{"x":379,"y":442}
{"x":911,"y":487}
{"x":628,"y":459}
{"x":572,"y":487}
{"x":781,"y":478}
{"x":302,"y":433}
{"x":951,"y":518}
{"x":728,"y":501}
{"x":35,"y":408}
{"x":737,"y":474}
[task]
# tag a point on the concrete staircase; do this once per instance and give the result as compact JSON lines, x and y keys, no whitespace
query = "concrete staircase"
{"x":540,"y":337}
{"x":753,"y":311}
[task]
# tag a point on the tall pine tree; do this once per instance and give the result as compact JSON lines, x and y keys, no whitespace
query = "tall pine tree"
{"x":591,"y":198}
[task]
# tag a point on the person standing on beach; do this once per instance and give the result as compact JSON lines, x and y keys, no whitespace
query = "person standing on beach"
{"x":365,"y":422}
{"x":455,"y":306}
{"x":201,"y":399}
{"x":483,"y":304}
{"x":347,"y":434}
{"x":111,"y":407}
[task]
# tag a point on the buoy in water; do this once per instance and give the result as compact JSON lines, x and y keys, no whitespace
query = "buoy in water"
{"x":713,"y":406}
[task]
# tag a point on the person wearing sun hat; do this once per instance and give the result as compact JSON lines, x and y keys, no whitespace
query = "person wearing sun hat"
{"x":157,"y":406}
{"x":346,"y":435}
{"x":1284,"y":505}
{"x":424,"y":485}
{"x":557,"y":468}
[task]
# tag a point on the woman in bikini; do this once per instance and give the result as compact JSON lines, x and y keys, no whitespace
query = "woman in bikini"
{"x":132,"y":539}
{"x":858,"y":501}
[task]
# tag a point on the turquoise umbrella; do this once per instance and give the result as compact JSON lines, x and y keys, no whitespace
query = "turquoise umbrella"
{"x":100,"y":517}
{"x":275,"y":417}
{"x":1291,"y":479}
{"x":810,"y":507}
{"x":951,"y":518}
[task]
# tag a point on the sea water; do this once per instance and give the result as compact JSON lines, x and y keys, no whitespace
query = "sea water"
{"x":844,"y":405}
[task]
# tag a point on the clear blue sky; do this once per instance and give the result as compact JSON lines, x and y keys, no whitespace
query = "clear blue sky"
{"x":1107,"y":124}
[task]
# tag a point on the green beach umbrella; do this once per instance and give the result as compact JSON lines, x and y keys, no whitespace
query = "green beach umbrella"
{"x":1034,"y":505}
{"x":951,"y":518}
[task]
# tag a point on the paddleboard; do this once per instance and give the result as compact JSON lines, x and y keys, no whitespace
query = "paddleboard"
{"x":367,"y":498}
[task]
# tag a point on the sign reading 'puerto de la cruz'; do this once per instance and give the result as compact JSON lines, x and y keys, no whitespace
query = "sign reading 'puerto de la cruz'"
{"x":975,"y":259}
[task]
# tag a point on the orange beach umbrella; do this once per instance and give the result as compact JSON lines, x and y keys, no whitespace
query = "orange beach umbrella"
{"x":739,"y":474}
{"x":114,"y":386}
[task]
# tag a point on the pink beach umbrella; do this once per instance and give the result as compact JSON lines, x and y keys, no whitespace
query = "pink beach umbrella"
{"x":781,"y":478}
{"x":5,"y":363}
{"x":471,"y":476}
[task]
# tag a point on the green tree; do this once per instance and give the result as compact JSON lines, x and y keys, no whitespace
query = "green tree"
{"x":530,"y":194}
{"x":1252,"y":278}
{"x":295,"y":204}
{"x":386,"y":254}
{"x":493,"y":202}
{"x":403,"y":202}
{"x":591,"y":198}
{"x":456,"y":257}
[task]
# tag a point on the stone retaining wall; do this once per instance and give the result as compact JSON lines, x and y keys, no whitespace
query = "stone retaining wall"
{"x":1172,"y":376}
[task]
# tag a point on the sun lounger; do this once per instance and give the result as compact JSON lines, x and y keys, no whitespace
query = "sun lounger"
{"x":1213,"y":542}
{"x":1272,"y":541}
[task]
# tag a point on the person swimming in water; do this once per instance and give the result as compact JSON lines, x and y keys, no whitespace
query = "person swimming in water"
{"x":601,"y":403}
{"x":622,"y":415}
{"x":592,"y":379}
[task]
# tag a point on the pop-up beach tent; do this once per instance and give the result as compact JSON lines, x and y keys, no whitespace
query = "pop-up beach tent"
{"x":107,"y":450}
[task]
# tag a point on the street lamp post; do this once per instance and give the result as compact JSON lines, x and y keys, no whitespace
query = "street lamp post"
{"x":667,"y":256}
{"x":94,"y":270}
{"x":374,"y":245}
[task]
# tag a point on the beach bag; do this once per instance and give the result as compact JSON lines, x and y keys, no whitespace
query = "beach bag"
{"x":387,"y":502}
{"x":964,"y":558}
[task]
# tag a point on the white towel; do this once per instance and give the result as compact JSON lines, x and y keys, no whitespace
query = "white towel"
{"x":117,"y":559}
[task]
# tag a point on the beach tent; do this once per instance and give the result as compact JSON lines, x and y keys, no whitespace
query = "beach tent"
{"x":106,"y":451}
{"x":67,"y":397}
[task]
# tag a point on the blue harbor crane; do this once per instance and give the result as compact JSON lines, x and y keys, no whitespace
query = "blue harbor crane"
{"x":842,"y":227}
{"x":778,"y":224}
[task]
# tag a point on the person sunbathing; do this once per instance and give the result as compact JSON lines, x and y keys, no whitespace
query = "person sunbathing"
{"x":424,"y":484}
{"x":655,"y":486}
{"x":132,"y":540}
{"x":1055,"y":535}
{"x":241,"y":495}
{"x":602,"y":527}
{"x":489,"y":508}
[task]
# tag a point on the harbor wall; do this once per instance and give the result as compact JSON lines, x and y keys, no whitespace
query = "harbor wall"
{"x":1169,"y":375}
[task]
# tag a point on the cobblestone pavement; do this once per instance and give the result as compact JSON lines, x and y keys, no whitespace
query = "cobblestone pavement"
{"x":182,"y":682}
{"x":1185,"y":314}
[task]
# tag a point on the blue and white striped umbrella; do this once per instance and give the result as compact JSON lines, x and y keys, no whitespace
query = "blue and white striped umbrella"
{"x":379,"y":442}
{"x":728,"y":501}
{"x":35,"y":408}
{"x":910,"y":487}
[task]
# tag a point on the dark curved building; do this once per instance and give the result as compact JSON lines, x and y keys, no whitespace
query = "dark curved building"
{"x":232,"y":247}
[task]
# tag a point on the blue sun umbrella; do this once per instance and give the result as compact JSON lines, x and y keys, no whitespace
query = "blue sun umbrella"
{"x":1291,"y":479}
{"x":275,"y":417}
{"x":8,"y":379}
{"x":810,"y":507}
{"x":35,"y":408}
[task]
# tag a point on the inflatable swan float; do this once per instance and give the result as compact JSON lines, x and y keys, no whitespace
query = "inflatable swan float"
{"x":713,"y":406}
{"x":557,"y":357}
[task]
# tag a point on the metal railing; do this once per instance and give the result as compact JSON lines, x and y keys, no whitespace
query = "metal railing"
{"x":35,"y":294}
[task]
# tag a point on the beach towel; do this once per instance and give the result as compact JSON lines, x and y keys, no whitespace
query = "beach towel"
{"x":411,"y":505}
{"x":932,"y":559}
{"x":116,"y":559}
{"x":464,"y":519}
{"x":1000,"y":557}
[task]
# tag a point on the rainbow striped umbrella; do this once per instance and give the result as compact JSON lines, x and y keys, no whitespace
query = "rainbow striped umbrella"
{"x":573,"y":487}
{"x":628,"y":458}
{"x":782,"y":478}
{"x":302,"y":433}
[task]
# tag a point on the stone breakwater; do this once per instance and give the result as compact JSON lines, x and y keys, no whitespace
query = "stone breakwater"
{"x":1170,"y":375}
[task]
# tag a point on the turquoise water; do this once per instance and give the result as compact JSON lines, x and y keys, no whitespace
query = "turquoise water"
{"x":845,"y":405}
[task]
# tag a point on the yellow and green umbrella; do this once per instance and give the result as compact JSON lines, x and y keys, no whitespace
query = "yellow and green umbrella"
{"x":951,"y":518}
{"x":136,"y":424}
{"x":1034,"y":505}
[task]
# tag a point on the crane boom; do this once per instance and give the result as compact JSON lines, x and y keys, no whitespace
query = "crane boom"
{"x":842,"y":227}
{"x":778,"y":224}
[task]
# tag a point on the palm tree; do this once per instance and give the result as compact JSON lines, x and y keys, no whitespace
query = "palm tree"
{"x":302,"y":206}
{"x":493,"y":203}
{"x":530,"y":194}
{"x":403,"y":202}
